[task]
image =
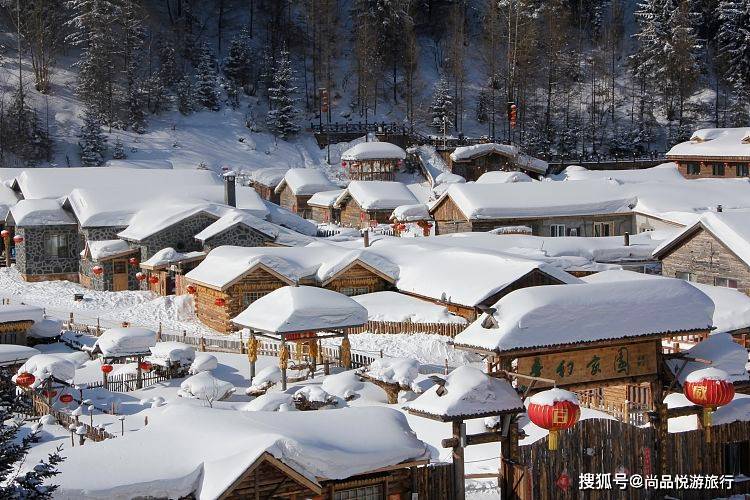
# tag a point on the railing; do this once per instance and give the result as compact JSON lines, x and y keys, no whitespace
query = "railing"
{"x":127,"y":382}
{"x":408,"y":327}
{"x":40,"y":408}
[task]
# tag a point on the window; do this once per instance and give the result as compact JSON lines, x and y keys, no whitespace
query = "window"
{"x":684,"y":275}
{"x":737,"y":458}
{"x":56,"y":245}
{"x":718,"y":169}
{"x":354,"y":290}
{"x":742,"y":170}
{"x":693,"y":168}
{"x":250,"y":297}
{"x":374,"y":492}
{"x":556,"y":230}
{"x":604,"y":228}
{"x":120,"y":267}
{"x":573,"y":231}
{"x":727,"y":282}
{"x":645,"y":229}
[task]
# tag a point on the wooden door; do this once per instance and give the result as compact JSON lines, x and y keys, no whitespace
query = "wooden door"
{"x":119,"y":275}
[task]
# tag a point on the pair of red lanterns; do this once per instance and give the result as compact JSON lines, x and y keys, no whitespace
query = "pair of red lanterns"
{"x":5,"y":234}
{"x":143,"y":366}
{"x":152,"y":279}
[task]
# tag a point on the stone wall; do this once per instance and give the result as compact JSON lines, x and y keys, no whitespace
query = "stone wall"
{"x":180,"y":236}
{"x":32,"y":262}
{"x":238,"y":235}
{"x":100,"y":233}
{"x":104,"y":282}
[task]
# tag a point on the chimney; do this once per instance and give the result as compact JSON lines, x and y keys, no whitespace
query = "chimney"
{"x":230,"y":191}
{"x":719,"y":208}
{"x":626,"y":238}
{"x":367,"y":237}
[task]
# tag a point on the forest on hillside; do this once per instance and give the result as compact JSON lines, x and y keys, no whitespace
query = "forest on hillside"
{"x":587,"y":76}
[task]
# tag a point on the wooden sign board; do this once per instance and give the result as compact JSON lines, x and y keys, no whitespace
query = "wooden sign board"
{"x":592,"y":365}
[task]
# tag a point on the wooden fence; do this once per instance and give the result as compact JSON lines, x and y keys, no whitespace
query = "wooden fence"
{"x":40,"y":408}
{"x":408,"y":327}
{"x":127,"y":382}
{"x":436,"y":481}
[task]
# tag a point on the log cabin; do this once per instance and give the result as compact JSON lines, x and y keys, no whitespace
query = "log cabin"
{"x":265,"y":181}
{"x":15,"y":322}
{"x":367,"y":203}
{"x":298,"y":185}
{"x":109,"y":265}
{"x":231,"y":278}
{"x":323,"y":207}
{"x":373,"y":161}
{"x":714,"y":153}
{"x":581,"y":208}
{"x":164,"y":273}
{"x":470,"y":162}
{"x":712,"y":251}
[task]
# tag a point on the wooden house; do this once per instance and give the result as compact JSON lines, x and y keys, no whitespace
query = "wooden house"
{"x":298,"y":185}
{"x":366,"y":203}
{"x":581,"y":208}
{"x":470,"y":162}
{"x":164,"y":273}
{"x":265,"y":181}
{"x":714,"y":153}
{"x":109,"y":265}
{"x":323,"y":206}
{"x":231,"y":278}
{"x":16,"y":321}
{"x":712,"y":251}
{"x":412,"y":220}
{"x":373,"y":161}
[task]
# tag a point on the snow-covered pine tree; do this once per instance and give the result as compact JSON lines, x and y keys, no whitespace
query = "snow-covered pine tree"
{"x":442,"y":106}
{"x":23,"y":135}
{"x":734,"y":45}
{"x":118,"y":150}
{"x":206,"y":92}
{"x":185,"y":95}
{"x":238,"y":64}
{"x":168,"y":73}
{"x":132,"y":55}
{"x":91,"y":142}
{"x":282,"y":115}
{"x":482,"y":111}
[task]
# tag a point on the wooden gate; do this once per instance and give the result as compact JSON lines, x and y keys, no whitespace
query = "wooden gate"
{"x":436,"y":483}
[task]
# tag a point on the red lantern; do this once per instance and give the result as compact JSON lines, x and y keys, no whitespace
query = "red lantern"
{"x":709,"y":388}
{"x":25,"y":379}
{"x":66,"y":398}
{"x":153,"y":280}
{"x":145,"y":366}
{"x":49,"y":394}
{"x":343,"y":164}
{"x":402,"y":227}
{"x":5,"y":233}
{"x":220,"y":302}
{"x":18,"y":239}
{"x":563,"y":481}
{"x":107,"y":369}
{"x":191,"y":289}
{"x":140,"y":276}
{"x":554,"y":410}
{"x":133,"y":261}
{"x":97,"y":270}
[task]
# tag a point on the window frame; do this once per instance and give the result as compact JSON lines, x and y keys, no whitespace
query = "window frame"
{"x":555,"y":231}
{"x":610,"y":225}
{"x":693,"y":168}
{"x":742,"y":170}
{"x":728,"y":281}
{"x":60,"y":251}
{"x":718,"y":167}
{"x":375,"y":491}
{"x":680,"y":276}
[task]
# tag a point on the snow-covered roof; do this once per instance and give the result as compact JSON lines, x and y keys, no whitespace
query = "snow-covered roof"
{"x":173,"y":352}
{"x":325,"y":198}
{"x":465,"y":153}
{"x":538,"y":199}
{"x":327,"y":444}
{"x":234,"y":217}
{"x":730,"y":228}
{"x":169,"y":255}
{"x":373,"y":151}
{"x":150,"y":221}
{"x":268,"y":176}
{"x":128,"y":341}
{"x":289,"y":220}
{"x":557,"y":315}
{"x":721,"y":350}
{"x":301,"y":308}
{"x":20,"y":312}
{"x":378,"y":195}
{"x":714,"y":143}
{"x":104,"y":249}
{"x":410,"y":213}
{"x":8,"y":198}
{"x":11,"y":354}
{"x":502,"y":177}
{"x":398,"y":307}
{"x":143,"y":163}
{"x":528,"y":162}
{"x":226,"y":264}
{"x":666,"y":172}
{"x":40,"y":213}
{"x":305,"y":181}
{"x":46,"y":329}
{"x":43,"y":366}
{"x":401,"y":371}
{"x":469,"y":393}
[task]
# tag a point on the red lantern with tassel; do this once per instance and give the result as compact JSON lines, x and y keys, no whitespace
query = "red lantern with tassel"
{"x":709,"y":388}
{"x":5,"y":233}
{"x":97,"y":270}
{"x":18,"y":239}
{"x":140,"y":276}
{"x":153,"y":279}
{"x":145,"y":366}
{"x":66,"y":398}
{"x":25,"y":379}
{"x":220,"y":302}
{"x":133,"y":261}
{"x":191,"y":289}
{"x":107,"y":369}
{"x":554,"y":410}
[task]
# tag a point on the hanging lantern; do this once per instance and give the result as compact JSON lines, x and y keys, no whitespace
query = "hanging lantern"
{"x":66,"y":398}
{"x":107,"y":369}
{"x":18,"y":239}
{"x":343,"y":164}
{"x":145,"y":366}
{"x":402,"y":227}
{"x":153,"y":280}
{"x":191,"y":289}
{"x":563,"y":481}
{"x":554,"y":410}
{"x":220,"y":302}
{"x":5,"y":233}
{"x":97,"y":270}
{"x":140,"y":276}
{"x":49,"y":394}
{"x":25,"y":379}
{"x":133,"y":261}
{"x":709,"y":388}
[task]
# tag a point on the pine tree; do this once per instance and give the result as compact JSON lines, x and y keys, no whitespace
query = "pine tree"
{"x":136,"y":116}
{"x":282,"y":115}
{"x":132,"y":55}
{"x":185,"y":96}
{"x":734,"y":46}
{"x":92,"y":142}
{"x":168,"y":73}
{"x":206,"y":92}
{"x":118,"y":150}
{"x":24,"y":135}
{"x":239,"y":62}
{"x":442,"y":106}
{"x":483,"y":106}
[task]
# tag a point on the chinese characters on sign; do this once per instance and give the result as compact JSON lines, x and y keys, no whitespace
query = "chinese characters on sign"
{"x":621,"y":481}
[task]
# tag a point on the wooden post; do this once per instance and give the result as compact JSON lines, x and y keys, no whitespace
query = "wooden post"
{"x":139,"y":374}
{"x":98,"y":328}
{"x":458,"y":461}
{"x":6,"y":242}
{"x":661,"y":434}
{"x":158,"y":333}
{"x":203,"y":344}
{"x":70,"y":320}
{"x":283,"y":358}
{"x":105,"y":380}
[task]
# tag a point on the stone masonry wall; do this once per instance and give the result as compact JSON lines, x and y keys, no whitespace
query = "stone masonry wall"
{"x":31,"y":259}
{"x":237,"y":235}
{"x":180,"y":236}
